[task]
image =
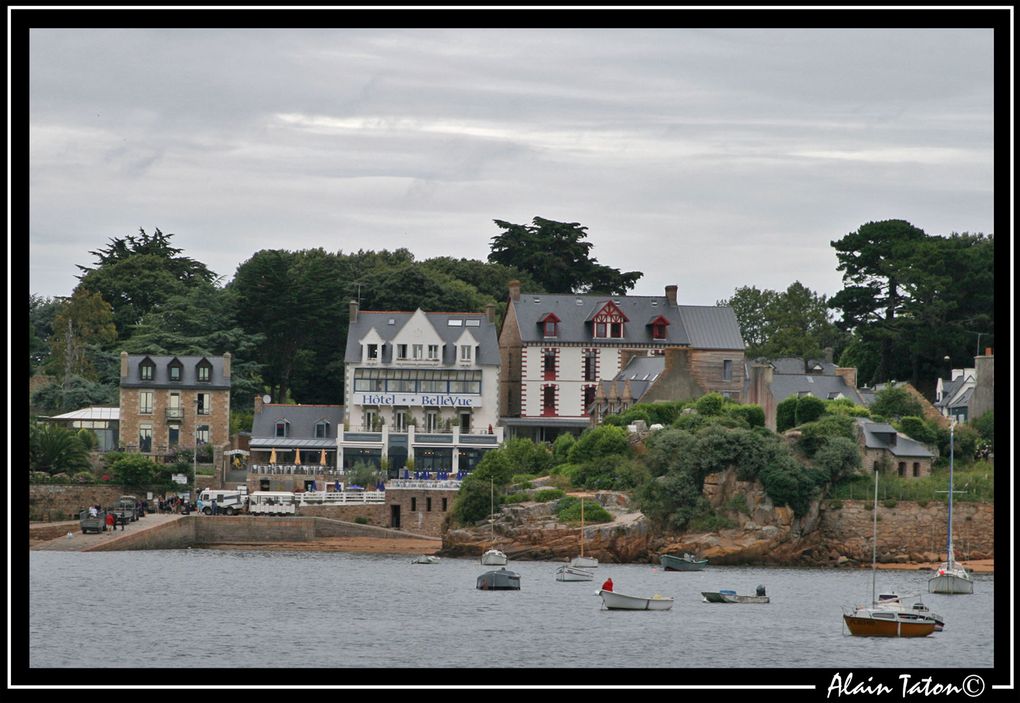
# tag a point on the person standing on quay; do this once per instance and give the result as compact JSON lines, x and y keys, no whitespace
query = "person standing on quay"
{"x":111,"y":521}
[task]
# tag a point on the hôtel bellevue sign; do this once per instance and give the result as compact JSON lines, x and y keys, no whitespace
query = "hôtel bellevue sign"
{"x":428,"y":400}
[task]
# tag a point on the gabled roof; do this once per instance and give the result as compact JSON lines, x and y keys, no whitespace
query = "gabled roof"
{"x":302,"y":419}
{"x":161,"y":377}
{"x":877,"y":436}
{"x":484,"y":333}
{"x":640,"y":371}
{"x":795,"y":365}
{"x":701,"y":327}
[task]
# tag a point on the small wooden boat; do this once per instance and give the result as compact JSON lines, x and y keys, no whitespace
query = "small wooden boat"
{"x":725,"y":596}
{"x":499,"y":580}
{"x":619,"y":601}
{"x":571,"y":573}
{"x":425,"y":559}
{"x":687,"y":562}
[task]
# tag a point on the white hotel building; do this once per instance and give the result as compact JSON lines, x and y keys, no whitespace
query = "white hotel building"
{"x":421,"y":385}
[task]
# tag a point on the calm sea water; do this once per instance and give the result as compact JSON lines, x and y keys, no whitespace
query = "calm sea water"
{"x":255,"y":609}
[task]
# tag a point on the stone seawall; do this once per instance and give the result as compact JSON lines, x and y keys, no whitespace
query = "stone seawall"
{"x":201,"y":530}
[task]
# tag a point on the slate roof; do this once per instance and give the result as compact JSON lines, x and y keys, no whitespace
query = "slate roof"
{"x":161,"y":375}
{"x":789,"y":379}
{"x":877,"y":436}
{"x":701,"y":327}
{"x":485,"y":333}
{"x":641,"y":371}
{"x":302,"y":419}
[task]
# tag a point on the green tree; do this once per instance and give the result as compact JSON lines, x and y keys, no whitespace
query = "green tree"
{"x":557,"y":257}
{"x":83,"y":322}
{"x":839,"y":458}
{"x":809,"y":409}
{"x":598,"y":443}
{"x":134,"y":471}
{"x":896,"y":401}
{"x":74,"y":392}
{"x":918,"y":428}
{"x":985,"y":427}
{"x":56,"y":449}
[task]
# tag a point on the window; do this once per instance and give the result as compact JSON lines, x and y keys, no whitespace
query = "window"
{"x":903,"y":468}
{"x":401,"y":351}
{"x":417,"y":350}
{"x":549,"y":400}
{"x":727,"y":370}
{"x":174,"y":410}
{"x":205,"y":404}
{"x":146,"y":370}
{"x":204,"y":371}
{"x":433,"y":351}
{"x":589,"y":397}
{"x":590,"y":364}
{"x":428,"y":504}
{"x":600,"y":329}
{"x":549,"y":364}
{"x":465,"y":422}
{"x":173,"y":435}
{"x":145,"y":402}
{"x":321,"y":429}
{"x":202,"y":434}
{"x":917,"y":469}
{"x":175,"y":372}
{"x":145,"y":438}
{"x":281,"y":428}
{"x":658,"y":331}
{"x":616,"y":330}
{"x":373,"y":352}
{"x":444,"y":505}
{"x":414,"y":504}
{"x":550,"y":328}
{"x":371,"y":419}
{"x":400,"y":420}
{"x":465,"y":352}
{"x":431,"y":421}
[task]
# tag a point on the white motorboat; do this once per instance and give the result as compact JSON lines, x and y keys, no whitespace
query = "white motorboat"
{"x":950,"y":577}
{"x":572,"y":573}
{"x":426,"y":559}
{"x":620,"y":601}
{"x":494,"y":557}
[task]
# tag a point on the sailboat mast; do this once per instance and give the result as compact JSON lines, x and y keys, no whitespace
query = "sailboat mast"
{"x":874,"y":540}
{"x":582,"y":527}
{"x":949,"y":536}
{"x":492,"y":508}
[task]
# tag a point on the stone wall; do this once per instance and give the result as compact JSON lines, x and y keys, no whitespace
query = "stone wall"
{"x":377,"y":514}
{"x":53,"y":503}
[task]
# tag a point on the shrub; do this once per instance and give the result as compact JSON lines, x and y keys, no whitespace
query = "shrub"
{"x":690,"y":421}
{"x":809,"y":409}
{"x":670,"y":501}
{"x":787,"y":483}
{"x":87,"y":438}
{"x":83,"y":477}
{"x":56,"y":449}
{"x":522,"y":480}
{"x":561,"y":447}
{"x":896,"y":402}
{"x":890,"y":503}
{"x":613,"y":472}
{"x":753,"y":415}
{"x":571,"y":512}
{"x":38,"y":477}
{"x":738,"y":503}
{"x":361,"y":520}
{"x":709,"y":521}
{"x":919,"y":429}
{"x":134,"y":470}
{"x":786,"y":414}
{"x":517,"y":498}
{"x":838,"y":457}
{"x":815,"y":434}
{"x":835,"y":505}
{"x":985,"y":427}
{"x":669,"y":449}
{"x":527,"y":457}
{"x":710,"y":404}
{"x":598,"y":443}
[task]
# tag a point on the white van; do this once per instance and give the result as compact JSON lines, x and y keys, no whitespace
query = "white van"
{"x":271,"y":503}
{"x":227,"y":502}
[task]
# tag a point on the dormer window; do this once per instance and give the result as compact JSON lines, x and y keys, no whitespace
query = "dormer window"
{"x":465,"y":352}
{"x":175,"y":370}
{"x":607,"y":322}
{"x":282,"y":428}
{"x":146,"y":370}
{"x":433,"y":352}
{"x":321,"y":429}
{"x":372,"y":352}
{"x":203,"y":371}
{"x":401,"y":351}
{"x":550,"y":325}
{"x":658,"y":325}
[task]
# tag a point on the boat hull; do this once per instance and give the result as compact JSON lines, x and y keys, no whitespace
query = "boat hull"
{"x":499,"y":580}
{"x":872,"y":627}
{"x":950,"y":584}
{"x":494,"y":557}
{"x":427,"y":559}
{"x":712,"y":597}
{"x":569,"y":573}
{"x":619,"y":601}
{"x":672,"y":563}
{"x":584,"y":563}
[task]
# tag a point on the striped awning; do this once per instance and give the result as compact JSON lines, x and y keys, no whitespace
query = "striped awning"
{"x":268,"y":443}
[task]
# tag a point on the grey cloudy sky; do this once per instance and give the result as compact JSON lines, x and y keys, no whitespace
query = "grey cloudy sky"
{"x":711,"y":159}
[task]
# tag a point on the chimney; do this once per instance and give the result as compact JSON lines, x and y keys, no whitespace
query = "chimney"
{"x":988,"y":351}
{"x":226,"y":366}
{"x":258,"y":403}
{"x":828,"y":355}
{"x":515,"y":290}
{"x":353,"y":311}
{"x":671,"y":296}
{"x":123,"y":365}
{"x":490,"y":312}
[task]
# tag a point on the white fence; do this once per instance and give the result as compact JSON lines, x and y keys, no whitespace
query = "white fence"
{"x":339,"y":498}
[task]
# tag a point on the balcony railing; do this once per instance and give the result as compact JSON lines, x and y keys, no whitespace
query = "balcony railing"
{"x":175,"y":413}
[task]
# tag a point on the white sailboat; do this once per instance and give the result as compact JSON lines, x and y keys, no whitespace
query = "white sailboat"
{"x":493,"y":557}
{"x":950,"y":577}
{"x":583,"y":562}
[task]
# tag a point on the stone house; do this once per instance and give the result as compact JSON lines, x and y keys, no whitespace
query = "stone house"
{"x":771,"y":381}
{"x":174,"y":402}
{"x":883,"y":448}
